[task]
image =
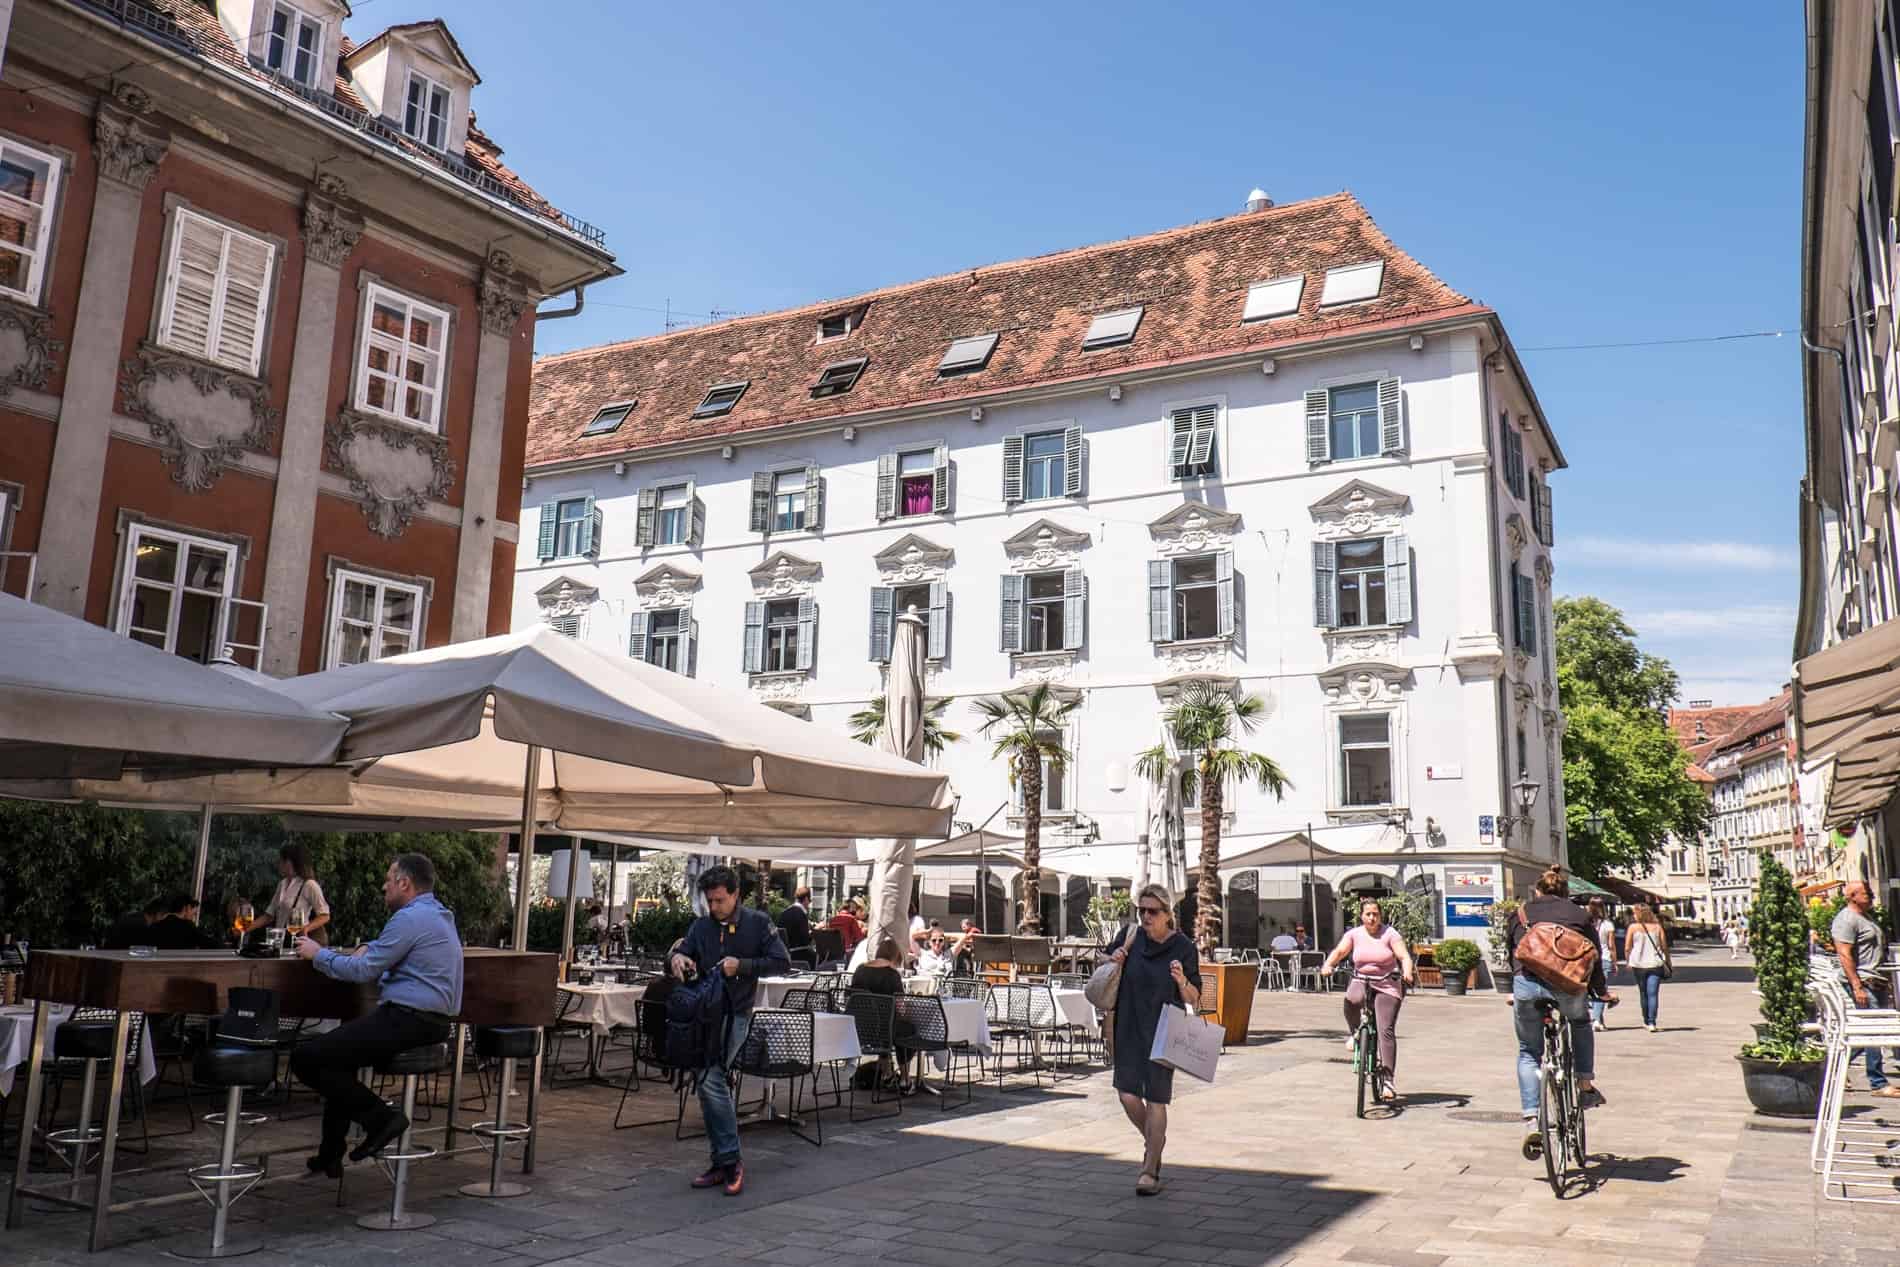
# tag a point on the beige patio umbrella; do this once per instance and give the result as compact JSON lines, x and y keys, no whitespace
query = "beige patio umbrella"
{"x":895,"y":864}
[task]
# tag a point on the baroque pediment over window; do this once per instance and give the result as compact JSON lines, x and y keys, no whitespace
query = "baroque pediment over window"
{"x":1194,"y":528}
{"x":784,"y":575}
{"x":666,"y":587}
{"x":913,"y":560}
{"x":565,"y":596}
{"x":1359,"y":508}
{"x":1044,"y":546}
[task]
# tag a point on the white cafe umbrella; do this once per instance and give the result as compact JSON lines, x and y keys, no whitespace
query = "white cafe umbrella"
{"x":903,"y":736}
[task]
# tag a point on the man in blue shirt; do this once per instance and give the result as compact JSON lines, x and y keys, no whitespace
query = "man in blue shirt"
{"x":417,"y":961}
{"x":743,"y":944}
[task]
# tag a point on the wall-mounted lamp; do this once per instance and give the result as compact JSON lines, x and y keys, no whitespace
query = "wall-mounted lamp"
{"x":1114,"y":391}
{"x":976,"y":413}
{"x":1267,"y":366}
{"x":850,"y":434}
{"x":620,"y":468}
{"x":1418,"y":343}
{"x":726,"y":453}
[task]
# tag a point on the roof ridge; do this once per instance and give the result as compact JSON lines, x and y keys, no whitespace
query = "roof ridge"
{"x":1020,"y":264}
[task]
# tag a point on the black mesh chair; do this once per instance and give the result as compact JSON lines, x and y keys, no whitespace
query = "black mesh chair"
{"x":649,"y":1049}
{"x":779,"y":1045}
{"x":876,"y":1018}
{"x":568,"y":1029}
{"x":805,"y":956}
{"x":929,"y":1037}
{"x":799,"y":1000}
{"x":829,"y":945}
{"x":966,"y":988}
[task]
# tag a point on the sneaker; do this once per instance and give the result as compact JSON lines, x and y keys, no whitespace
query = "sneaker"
{"x":1597,"y":1026}
{"x":1651,"y":1027}
{"x":714,"y":1177}
{"x":1533,"y":1146}
{"x":1591,"y":1099}
{"x":735,"y":1179}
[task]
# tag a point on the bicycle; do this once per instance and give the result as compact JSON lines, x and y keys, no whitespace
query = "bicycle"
{"x":1365,"y":1048}
{"x":1560,"y":1116}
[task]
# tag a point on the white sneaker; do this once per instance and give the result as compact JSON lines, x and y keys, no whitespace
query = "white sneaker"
{"x":1598,"y":1026}
{"x":1650,"y":1028}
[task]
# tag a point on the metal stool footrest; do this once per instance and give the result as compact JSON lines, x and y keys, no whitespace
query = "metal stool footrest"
{"x":244,"y":1119}
{"x":491,"y":1131}
{"x":389,"y":1157}
{"x":210,"y":1172}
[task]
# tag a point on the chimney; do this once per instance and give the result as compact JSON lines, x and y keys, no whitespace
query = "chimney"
{"x":1258,"y":200}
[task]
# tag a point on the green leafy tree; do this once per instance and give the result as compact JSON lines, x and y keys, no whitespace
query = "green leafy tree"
{"x":68,"y":871}
{"x":1778,"y":936}
{"x":1620,"y":758}
{"x":867,"y":725}
{"x":1409,"y":913}
{"x":1026,"y":730}
{"x":1206,"y":721}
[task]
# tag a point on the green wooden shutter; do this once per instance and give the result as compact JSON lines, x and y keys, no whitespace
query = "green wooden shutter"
{"x":1550,"y":529}
{"x":1160,"y":600}
{"x":649,"y":508}
{"x":937,"y":636}
{"x":1012,"y":469}
{"x":1224,"y":579}
{"x":637,"y":637}
{"x":1012,"y":613}
{"x":695,"y":517}
{"x":689,"y":654}
{"x":883,"y":609}
{"x":1179,"y":443}
{"x":1075,"y":607}
{"x":1325,"y":587}
{"x":1398,"y":580}
{"x":591,"y":524}
{"x":940,"y":480}
{"x":1391,"y":417}
{"x":1319,"y":434}
{"x":814,"y":499}
{"x":807,"y":632}
{"x":1072,"y":462}
{"x":761,"y":501}
{"x":752,"y":654}
{"x":1201,"y":451}
{"x":549,"y":524}
{"x":886,"y":486}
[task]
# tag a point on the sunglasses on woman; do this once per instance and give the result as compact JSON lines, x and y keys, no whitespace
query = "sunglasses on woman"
{"x":1147,"y":911}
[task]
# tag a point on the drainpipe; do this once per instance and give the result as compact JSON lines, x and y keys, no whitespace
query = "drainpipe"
{"x":580,"y":301}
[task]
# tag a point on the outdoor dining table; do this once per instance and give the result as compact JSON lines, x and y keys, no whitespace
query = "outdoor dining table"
{"x":604,"y":1008}
{"x":16,"y":1035}
{"x":1076,"y":1010}
{"x":967,"y":1024}
{"x":771,"y":991}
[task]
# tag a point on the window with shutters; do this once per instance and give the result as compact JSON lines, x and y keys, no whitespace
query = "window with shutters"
{"x":1045,"y":470}
{"x":1354,"y":421}
{"x":666,"y":640}
{"x":1512,"y":442}
{"x":425,"y":115}
{"x":917,"y":482}
{"x":788,"y":501}
{"x":1362,"y":582}
{"x":217,"y":293}
{"x":1365,"y":759}
{"x":568,"y":626}
{"x":570,"y":527}
{"x":1524,"y":608}
{"x":29,"y":184}
{"x":1043,"y":613}
{"x":400,"y":359}
{"x":175,"y":590}
{"x":1196,"y":598}
{"x":372,"y":617}
{"x":929,"y":601}
{"x":673,"y":515}
{"x":781,"y":636}
{"x":293,"y":45}
{"x":1191,"y":442}
{"x":1193,"y":598}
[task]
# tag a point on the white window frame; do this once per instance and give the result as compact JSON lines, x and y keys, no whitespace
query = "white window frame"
{"x":1332,"y":412}
{"x":800,"y":493}
{"x":129,"y":581}
{"x":37,"y":251}
{"x":402,"y":352}
{"x":1339,"y":582}
{"x":430,"y":87}
{"x":297,"y":20}
{"x":1348,"y":279}
{"x":1059,"y":602}
{"x":929,"y":454}
{"x":765,"y":637}
{"x":1177,"y":616}
{"x":334,"y":624}
{"x":220,"y":292}
{"x":1219,"y":455}
{"x":1391,"y":755}
{"x":661,"y":509}
{"x":559,"y":524}
{"x":684,"y":615}
{"x":1061,"y":433}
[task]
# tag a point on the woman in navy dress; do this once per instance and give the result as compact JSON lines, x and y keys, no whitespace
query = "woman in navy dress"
{"x":1159,"y":969}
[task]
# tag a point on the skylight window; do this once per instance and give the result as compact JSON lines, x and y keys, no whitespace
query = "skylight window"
{"x":1353,"y":283}
{"x":608,"y":419}
{"x":1276,"y":298}
{"x":967,"y":356}
{"x":721,"y":399}
{"x":838,"y":378}
{"x":1111,"y":329}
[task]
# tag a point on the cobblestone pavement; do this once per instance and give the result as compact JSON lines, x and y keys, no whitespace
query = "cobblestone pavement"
{"x":1266,"y":1166}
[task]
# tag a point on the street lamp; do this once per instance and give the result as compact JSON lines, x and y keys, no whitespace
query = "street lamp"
{"x":1594,"y":823}
{"x":1524,"y":791}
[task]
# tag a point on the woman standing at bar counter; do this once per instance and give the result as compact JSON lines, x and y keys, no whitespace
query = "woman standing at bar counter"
{"x":298,"y":904}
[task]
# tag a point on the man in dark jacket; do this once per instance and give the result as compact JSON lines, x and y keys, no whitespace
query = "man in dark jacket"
{"x":794,"y":922}
{"x":179,"y":929}
{"x":742,"y":944}
{"x":132,"y":930}
{"x":1552,"y":905}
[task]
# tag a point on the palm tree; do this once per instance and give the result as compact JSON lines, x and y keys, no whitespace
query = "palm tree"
{"x":1205,"y":720}
{"x":867,"y":725}
{"x":1027,"y":727}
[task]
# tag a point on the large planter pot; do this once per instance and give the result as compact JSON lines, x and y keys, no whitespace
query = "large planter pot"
{"x":1500,"y":978}
{"x":1454,"y":985}
{"x":1780,"y":1088}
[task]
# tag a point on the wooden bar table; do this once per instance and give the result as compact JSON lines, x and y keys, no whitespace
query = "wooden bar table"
{"x":499,"y":987}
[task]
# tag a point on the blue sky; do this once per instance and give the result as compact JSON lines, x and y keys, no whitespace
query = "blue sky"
{"x":1619,"y":174}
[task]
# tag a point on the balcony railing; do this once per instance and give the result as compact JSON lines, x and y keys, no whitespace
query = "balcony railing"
{"x":136,"y":16}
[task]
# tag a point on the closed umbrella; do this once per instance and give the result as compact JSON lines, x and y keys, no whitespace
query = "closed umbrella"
{"x":904,"y":737}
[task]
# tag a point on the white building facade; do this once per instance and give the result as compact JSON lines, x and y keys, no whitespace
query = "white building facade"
{"x":1309,"y":473}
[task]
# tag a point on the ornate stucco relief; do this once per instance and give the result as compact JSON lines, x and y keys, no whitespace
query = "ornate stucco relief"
{"x":202,"y":416}
{"x":393,"y":469}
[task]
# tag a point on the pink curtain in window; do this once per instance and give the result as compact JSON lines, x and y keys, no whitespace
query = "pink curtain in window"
{"x":917,"y":495}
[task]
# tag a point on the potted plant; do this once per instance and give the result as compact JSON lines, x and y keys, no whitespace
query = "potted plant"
{"x":1782,"y":1071}
{"x":1502,"y":913}
{"x":1456,"y":958}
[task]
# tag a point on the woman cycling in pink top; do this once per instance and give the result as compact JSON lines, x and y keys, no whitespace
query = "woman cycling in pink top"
{"x":1379,"y":958}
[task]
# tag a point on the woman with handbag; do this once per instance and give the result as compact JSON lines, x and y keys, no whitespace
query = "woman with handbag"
{"x":1159,"y":968}
{"x":1646,"y":951}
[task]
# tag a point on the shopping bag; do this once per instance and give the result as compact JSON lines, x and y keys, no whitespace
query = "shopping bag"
{"x":1185,"y":1042}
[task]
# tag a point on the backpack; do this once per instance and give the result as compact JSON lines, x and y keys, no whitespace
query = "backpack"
{"x":696,"y":1025}
{"x":1556,"y":954}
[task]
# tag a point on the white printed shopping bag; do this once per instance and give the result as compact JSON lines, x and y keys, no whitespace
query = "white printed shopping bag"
{"x":1185,"y":1042}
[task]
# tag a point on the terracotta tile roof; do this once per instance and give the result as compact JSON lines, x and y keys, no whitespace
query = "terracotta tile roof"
{"x":1192,"y":282}
{"x":1695,"y":727}
{"x":1697,"y":774}
{"x":1760,"y":721}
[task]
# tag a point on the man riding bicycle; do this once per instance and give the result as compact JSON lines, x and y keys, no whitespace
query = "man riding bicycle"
{"x":1529,"y":993}
{"x":1378,"y":956}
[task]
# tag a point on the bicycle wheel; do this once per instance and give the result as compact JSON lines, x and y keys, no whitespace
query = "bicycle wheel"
{"x":1362,"y":1066}
{"x":1550,"y":1124}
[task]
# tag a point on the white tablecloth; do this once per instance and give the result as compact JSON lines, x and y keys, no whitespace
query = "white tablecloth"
{"x":967,"y":1023}
{"x":1076,"y":1009}
{"x":605,"y":1006}
{"x":16,"y":1032}
{"x":771,"y":991}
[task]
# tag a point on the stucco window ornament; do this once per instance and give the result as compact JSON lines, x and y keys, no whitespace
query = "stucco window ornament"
{"x":1544,"y":571}
{"x":1045,"y":546}
{"x":1516,"y":535}
{"x":1553,"y":721}
{"x":913,"y":560}
{"x":666,"y":588}
{"x":28,"y":350}
{"x":128,"y":149}
{"x":784,"y":575}
{"x":565,"y":597}
{"x":504,"y":295}
{"x":330,"y":229}
{"x":1357,"y":685}
{"x":203,"y":416}
{"x":1359,"y":508}
{"x":785,"y":691}
{"x":1031,"y":667}
{"x":393,"y":469}
{"x":1194,"y":528}
{"x":1522,"y":697}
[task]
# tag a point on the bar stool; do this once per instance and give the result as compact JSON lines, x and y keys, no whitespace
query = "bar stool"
{"x":508,"y":1044}
{"x":410,"y":1064}
{"x":90,"y":1041}
{"x":234,"y":1069}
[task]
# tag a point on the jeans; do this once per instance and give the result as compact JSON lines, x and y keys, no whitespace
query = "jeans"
{"x":1876,"y":1067}
{"x":1649,"y":990}
{"x":327,"y":1064}
{"x":1598,"y":1008}
{"x":715,"y":1098}
{"x":1525,"y":994}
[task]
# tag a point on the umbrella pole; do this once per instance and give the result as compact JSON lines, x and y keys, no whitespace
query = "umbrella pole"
{"x":573,"y":893}
{"x":524,"y":872}
{"x":203,"y":856}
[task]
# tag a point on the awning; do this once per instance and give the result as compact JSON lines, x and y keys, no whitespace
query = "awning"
{"x":1821,"y":888}
{"x":1580,"y":887}
{"x":1624,"y":891}
{"x":1847,"y":707}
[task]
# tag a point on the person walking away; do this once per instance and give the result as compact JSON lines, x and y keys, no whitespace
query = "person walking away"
{"x":298,"y":905}
{"x":1606,"y":946}
{"x":1379,"y":954}
{"x":1733,"y":939}
{"x":1551,"y":904}
{"x":1159,"y":969}
{"x":417,"y":960}
{"x":1862,"y":949}
{"x":741,"y":944}
{"x":1646,"y":950}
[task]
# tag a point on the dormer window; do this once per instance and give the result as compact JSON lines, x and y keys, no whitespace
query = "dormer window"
{"x":838,"y":325}
{"x":425,"y":115}
{"x":293,"y":44}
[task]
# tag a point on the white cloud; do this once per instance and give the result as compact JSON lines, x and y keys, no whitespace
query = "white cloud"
{"x":1675,"y":555}
{"x":1701,"y":622}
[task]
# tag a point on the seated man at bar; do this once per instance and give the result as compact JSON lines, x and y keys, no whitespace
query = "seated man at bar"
{"x":132,"y":930}
{"x":179,"y":930}
{"x":418,"y":962}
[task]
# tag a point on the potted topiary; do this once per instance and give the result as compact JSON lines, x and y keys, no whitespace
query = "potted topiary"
{"x":1502,"y":913}
{"x":1782,"y":1071}
{"x":1456,"y":959}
